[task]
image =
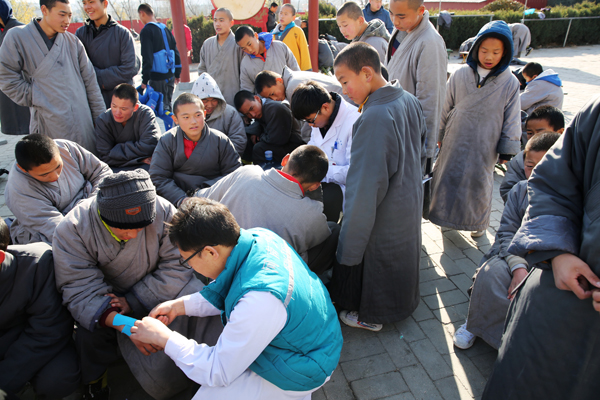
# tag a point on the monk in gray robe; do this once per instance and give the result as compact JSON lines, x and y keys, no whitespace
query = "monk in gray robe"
{"x":521,"y":38}
{"x":112,"y":258}
{"x":221,"y":57}
{"x":48,"y":179}
{"x":550,"y":345}
{"x":46,"y":69}
{"x":263,"y":53}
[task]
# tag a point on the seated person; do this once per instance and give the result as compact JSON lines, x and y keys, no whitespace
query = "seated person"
{"x":274,"y":128}
{"x":48,"y":179}
{"x":331,"y":118}
{"x":113,"y":258}
{"x":282,"y":339}
{"x":544,"y":88}
{"x":36,"y":331}
{"x":545,"y":118}
{"x":276,"y":200}
{"x":220,"y":115}
{"x":191,"y":155}
{"x":127,"y":133}
{"x":499,"y":271}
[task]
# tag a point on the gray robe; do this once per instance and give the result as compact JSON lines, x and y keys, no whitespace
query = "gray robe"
{"x":384,"y":196}
{"x":551,"y":347}
{"x":174,"y":174}
{"x":540,"y":92}
{"x":477,"y":124}
{"x":39,"y":207}
{"x":420,"y":64}
{"x":377,"y":36}
{"x":58,"y":85}
{"x":515,"y":172}
{"x":292,"y":79}
{"x":278,"y":56}
{"x":521,"y":38}
{"x":266,"y":199}
{"x":223,"y":64}
{"x":90,"y":263}
{"x":126,"y":146}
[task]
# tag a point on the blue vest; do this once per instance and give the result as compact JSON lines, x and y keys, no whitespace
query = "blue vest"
{"x":307,"y":349}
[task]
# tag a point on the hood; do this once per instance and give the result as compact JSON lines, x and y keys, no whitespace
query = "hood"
{"x":277,"y":32}
{"x":267,"y":38}
{"x":548,"y":76}
{"x":204,"y":87}
{"x":499,"y":30}
{"x":376,"y":28}
{"x":5,"y":11}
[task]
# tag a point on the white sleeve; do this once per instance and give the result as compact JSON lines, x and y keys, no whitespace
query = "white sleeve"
{"x":197,"y":306}
{"x":254,"y":322}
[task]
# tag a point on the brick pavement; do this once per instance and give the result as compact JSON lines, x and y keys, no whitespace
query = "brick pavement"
{"x":415,"y":358}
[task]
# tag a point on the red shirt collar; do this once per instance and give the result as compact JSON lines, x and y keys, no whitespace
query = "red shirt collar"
{"x":291,"y":178}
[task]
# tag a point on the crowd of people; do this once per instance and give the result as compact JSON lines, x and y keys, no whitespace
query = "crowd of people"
{"x":221,"y":255}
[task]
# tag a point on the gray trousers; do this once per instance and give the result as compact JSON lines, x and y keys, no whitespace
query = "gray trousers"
{"x":166,"y":87}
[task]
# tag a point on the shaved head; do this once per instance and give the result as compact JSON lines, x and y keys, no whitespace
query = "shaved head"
{"x":414,"y":4}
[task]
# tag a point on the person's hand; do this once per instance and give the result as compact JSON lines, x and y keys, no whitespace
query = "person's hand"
{"x":151,"y":331}
{"x":255,"y":139}
{"x":500,"y":161}
{"x":571,"y":273}
{"x":145,"y":348}
{"x":119,"y":302}
{"x":147,"y":160}
{"x":518,"y":275}
{"x":144,"y":86}
{"x":169,"y":310}
{"x":596,"y":299}
{"x":177,"y":80}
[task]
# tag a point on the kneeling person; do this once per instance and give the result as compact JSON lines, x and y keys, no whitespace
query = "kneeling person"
{"x":282,"y":339}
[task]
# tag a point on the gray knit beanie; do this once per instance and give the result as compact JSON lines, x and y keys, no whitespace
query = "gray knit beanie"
{"x":127,"y":200}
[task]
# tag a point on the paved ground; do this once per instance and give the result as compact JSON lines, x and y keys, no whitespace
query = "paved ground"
{"x":415,"y":358}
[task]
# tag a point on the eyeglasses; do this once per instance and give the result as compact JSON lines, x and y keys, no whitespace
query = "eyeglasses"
{"x":314,"y":119}
{"x":185,"y":261}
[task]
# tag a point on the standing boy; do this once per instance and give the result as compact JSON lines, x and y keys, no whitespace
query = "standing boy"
{"x":354,"y":27}
{"x":377,"y":280}
{"x":293,"y":36}
{"x":257,"y":59}
{"x":220,"y":57}
{"x":480,"y":121}
{"x":272,"y":17}
{"x":374,"y":10}
{"x":46,"y":69}
{"x":544,"y":88}
{"x":109,"y":46}
{"x":161,"y":65}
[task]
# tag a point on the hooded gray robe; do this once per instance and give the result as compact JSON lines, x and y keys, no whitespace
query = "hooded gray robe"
{"x":40,"y":206}
{"x":223,"y":64}
{"x":382,"y":216}
{"x":377,"y":36}
{"x":545,"y":90}
{"x":58,"y":85}
{"x":127,"y":146}
{"x":278,"y":56}
{"x":90,"y":263}
{"x":551,"y":347}
{"x":174,"y":174}
{"x":515,"y":172}
{"x":420,"y":64}
{"x":521,"y":38}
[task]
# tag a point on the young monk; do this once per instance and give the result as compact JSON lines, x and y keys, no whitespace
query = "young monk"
{"x":220,"y":57}
{"x":127,"y":133}
{"x":39,"y":63}
{"x":354,"y":27}
{"x":377,"y":281}
{"x":282,"y":339}
{"x":544,"y":88}
{"x":48,"y":179}
{"x":293,"y":36}
{"x":262,"y":53}
{"x":219,"y":114}
{"x":473,"y":133}
{"x":543,"y":119}
{"x":191,"y":155}
{"x":499,"y":271}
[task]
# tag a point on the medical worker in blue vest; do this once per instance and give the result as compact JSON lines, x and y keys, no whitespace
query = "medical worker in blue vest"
{"x":282,"y":339}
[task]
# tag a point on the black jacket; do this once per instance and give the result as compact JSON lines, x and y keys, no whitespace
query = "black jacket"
{"x":152,"y":41}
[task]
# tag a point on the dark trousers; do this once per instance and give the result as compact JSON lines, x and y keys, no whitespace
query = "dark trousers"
{"x":321,"y":257}
{"x":345,"y":287}
{"x":96,"y":351}
{"x":333,"y":201}
{"x":256,"y":152}
{"x":166,"y":87}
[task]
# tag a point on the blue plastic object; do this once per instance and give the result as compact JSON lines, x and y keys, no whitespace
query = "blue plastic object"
{"x":128,"y":322}
{"x":529,"y":12}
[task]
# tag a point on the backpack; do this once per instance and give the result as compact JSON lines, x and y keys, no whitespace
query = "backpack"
{"x":164,"y":60}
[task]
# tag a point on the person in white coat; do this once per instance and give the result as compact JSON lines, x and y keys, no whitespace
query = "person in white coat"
{"x":331,"y":118}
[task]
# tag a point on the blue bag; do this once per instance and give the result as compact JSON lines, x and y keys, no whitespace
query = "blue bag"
{"x":164,"y":60}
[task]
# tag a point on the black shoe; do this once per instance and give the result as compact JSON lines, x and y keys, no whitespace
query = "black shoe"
{"x":3,"y":171}
{"x":95,"y":391}
{"x":528,"y":51}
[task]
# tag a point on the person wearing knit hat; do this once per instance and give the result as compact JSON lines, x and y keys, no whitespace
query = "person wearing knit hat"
{"x":113,"y":259}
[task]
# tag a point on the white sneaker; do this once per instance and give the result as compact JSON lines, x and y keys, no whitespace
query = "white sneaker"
{"x":476,"y":234}
{"x":463,"y":339}
{"x":350,"y":318}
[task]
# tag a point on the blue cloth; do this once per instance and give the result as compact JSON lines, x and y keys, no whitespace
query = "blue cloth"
{"x":498,"y":30}
{"x":382,"y":14}
{"x":306,"y":351}
{"x":552,"y":78}
{"x":265,"y":37}
{"x":277,"y":33}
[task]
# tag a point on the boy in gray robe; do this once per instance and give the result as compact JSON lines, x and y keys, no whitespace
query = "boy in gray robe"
{"x":38,"y":63}
{"x":480,"y":120}
{"x":550,"y":345}
{"x":263,"y":53}
{"x":113,"y":258}
{"x":544,"y":88}
{"x":521,"y":39}
{"x":500,"y":272}
{"x":377,"y":279}
{"x":127,"y":133}
{"x":219,"y":114}
{"x":191,"y":155}
{"x":48,"y":179}
{"x":221,"y":57}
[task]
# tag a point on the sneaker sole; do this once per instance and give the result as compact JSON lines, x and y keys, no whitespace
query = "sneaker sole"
{"x":464,"y":347}
{"x":360,"y":325}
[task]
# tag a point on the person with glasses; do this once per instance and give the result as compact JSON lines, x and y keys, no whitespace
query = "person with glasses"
{"x":331,"y":119}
